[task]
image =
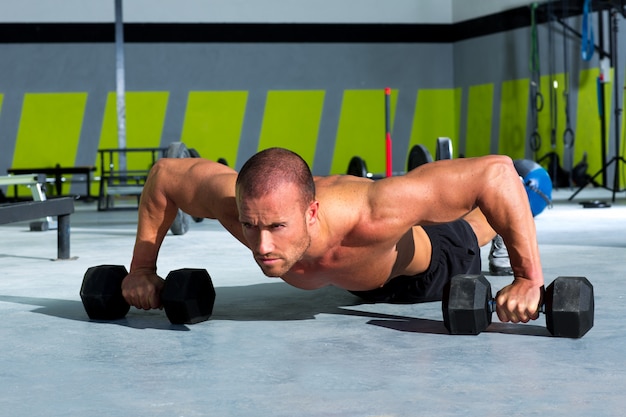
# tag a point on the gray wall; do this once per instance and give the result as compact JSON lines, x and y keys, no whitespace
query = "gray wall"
{"x":256,"y":68}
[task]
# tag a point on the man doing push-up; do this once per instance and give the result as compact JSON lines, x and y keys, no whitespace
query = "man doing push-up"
{"x":398,"y":239}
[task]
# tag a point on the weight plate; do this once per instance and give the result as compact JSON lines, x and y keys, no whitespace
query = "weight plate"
{"x":357,"y":167}
{"x":177,"y":150}
{"x":180,"y":226}
{"x":444,"y":149}
{"x":419,"y":155}
{"x":181,"y":223}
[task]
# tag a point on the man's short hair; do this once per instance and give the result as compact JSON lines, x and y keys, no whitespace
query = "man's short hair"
{"x":270,"y":169}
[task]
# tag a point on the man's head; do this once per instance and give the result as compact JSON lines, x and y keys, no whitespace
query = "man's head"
{"x":271,"y":168}
{"x":276,"y":201}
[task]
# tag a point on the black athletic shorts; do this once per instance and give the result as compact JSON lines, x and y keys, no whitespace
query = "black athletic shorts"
{"x":455,"y":251}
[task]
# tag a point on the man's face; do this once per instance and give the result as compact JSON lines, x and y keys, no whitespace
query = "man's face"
{"x":275,"y":227}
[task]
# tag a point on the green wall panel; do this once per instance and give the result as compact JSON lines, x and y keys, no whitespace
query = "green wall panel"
{"x":145,"y":116}
{"x":213,"y":123}
{"x":292,"y":120}
{"x":479,"y":116}
{"x":436,"y":114}
{"x":588,"y":124}
{"x":458,"y":96}
{"x":361,"y":129}
{"x":49,"y":130}
{"x":513,"y":116}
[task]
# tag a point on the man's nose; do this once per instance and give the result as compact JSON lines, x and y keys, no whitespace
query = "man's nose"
{"x":265,"y":243}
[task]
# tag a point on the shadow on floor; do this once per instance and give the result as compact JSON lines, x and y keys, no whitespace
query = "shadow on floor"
{"x":265,"y":302}
{"x":437,"y":327}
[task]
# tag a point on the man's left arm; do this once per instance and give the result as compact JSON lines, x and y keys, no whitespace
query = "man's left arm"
{"x":445,"y":191}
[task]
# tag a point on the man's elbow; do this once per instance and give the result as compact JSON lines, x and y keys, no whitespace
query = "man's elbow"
{"x":159,"y":166}
{"x":162,"y":172}
{"x":501,"y":167}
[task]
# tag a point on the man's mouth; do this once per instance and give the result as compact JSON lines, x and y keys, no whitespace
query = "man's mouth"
{"x":267,"y":260}
{"x":271,"y":267}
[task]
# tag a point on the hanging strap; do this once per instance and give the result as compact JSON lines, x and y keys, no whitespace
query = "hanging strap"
{"x":536,"y":98}
{"x":554,"y":120}
{"x":534,"y":43}
{"x":587,"y":45}
{"x":568,"y":134}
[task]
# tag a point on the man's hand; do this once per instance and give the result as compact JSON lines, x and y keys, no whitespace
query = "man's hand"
{"x":519,"y":301}
{"x":142,"y":289}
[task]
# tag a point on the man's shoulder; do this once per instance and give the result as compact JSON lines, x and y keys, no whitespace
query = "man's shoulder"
{"x":340,"y":181}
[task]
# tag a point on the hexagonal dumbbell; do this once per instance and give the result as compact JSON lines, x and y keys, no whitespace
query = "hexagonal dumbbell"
{"x":468,"y":305}
{"x":187,"y":296}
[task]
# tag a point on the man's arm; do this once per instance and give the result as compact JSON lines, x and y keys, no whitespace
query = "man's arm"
{"x":448,"y":190}
{"x":199,"y":187}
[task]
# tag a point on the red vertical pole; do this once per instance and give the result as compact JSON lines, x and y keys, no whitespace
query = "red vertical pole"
{"x":388,"y":147}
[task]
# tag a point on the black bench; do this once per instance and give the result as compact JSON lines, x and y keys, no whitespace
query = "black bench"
{"x":57,"y":172}
{"x":123,"y":182}
{"x":60,"y":207}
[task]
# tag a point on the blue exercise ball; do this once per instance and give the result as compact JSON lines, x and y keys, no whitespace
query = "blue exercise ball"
{"x":537,"y":183}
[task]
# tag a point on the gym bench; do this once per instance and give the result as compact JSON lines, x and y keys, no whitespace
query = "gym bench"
{"x":36,"y":183}
{"x":60,"y":207}
{"x":58,"y":173}
{"x":122,"y":182}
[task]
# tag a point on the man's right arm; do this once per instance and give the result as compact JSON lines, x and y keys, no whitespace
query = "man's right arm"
{"x":199,"y":187}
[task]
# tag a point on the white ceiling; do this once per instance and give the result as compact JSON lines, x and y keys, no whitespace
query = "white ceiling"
{"x":254,"y":11}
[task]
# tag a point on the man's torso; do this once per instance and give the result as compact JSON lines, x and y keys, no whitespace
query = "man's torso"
{"x":354,"y":253}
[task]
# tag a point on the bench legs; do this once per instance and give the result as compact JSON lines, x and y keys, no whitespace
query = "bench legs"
{"x":63,"y":236}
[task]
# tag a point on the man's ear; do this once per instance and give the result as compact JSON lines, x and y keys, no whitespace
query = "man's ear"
{"x":312,"y":211}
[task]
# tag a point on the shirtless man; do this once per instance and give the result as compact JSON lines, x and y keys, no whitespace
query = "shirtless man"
{"x":398,"y":239}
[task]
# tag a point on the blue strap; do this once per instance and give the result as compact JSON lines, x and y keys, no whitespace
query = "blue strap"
{"x":588,"y":43}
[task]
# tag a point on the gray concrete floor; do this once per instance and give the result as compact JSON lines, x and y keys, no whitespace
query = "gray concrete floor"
{"x":272,"y":350}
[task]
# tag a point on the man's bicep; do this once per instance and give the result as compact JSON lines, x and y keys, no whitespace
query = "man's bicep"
{"x":203,"y":188}
{"x":207,"y":190}
{"x":214,"y":200}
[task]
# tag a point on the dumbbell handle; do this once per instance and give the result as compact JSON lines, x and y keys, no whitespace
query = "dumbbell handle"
{"x":492,"y":307}
{"x":541,"y":309}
